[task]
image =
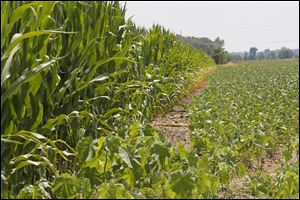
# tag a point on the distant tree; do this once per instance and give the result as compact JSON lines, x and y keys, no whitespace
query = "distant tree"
{"x":252,"y":53}
{"x":245,"y":56}
{"x":272,"y":55}
{"x":260,"y":56}
{"x":236,"y":57}
{"x":295,"y":53}
{"x":218,"y":43}
{"x":284,"y":53}
{"x":220,"y":56}
{"x":213,"y":48}
{"x":204,"y":43}
{"x":267,"y":53}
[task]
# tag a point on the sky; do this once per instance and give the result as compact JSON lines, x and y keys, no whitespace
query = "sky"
{"x":260,"y":24}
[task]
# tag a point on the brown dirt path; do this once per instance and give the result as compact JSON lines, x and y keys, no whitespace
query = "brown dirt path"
{"x":175,"y":123}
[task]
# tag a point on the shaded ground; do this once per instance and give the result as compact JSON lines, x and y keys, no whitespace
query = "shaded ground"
{"x":175,"y":123}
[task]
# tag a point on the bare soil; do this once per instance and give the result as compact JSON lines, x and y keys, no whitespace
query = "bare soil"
{"x":175,"y":123}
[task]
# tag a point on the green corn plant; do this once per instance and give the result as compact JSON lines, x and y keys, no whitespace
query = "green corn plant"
{"x":79,"y":84}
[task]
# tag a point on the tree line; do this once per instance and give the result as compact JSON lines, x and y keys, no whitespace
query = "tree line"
{"x":214,"y":48}
{"x":254,"y":54}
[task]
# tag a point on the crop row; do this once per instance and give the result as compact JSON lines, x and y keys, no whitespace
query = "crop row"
{"x":79,"y":83}
{"x":246,"y":115}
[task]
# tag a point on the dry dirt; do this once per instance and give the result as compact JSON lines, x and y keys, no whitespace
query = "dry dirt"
{"x":175,"y":123}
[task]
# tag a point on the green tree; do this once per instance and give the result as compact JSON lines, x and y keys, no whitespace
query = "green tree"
{"x":214,"y":48}
{"x":246,"y":56}
{"x":273,"y":55}
{"x":260,"y":56}
{"x":220,"y":56}
{"x":285,"y":53}
{"x":252,"y":53}
{"x":236,"y":57}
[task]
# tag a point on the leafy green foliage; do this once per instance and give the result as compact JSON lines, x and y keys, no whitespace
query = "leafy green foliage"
{"x":69,"y":186}
{"x":114,"y":191}
{"x":246,"y":114}
{"x":182,"y":183}
{"x":214,"y":48}
{"x":86,"y":148}
{"x":79,"y":86}
{"x":33,"y":192}
{"x":283,"y":184}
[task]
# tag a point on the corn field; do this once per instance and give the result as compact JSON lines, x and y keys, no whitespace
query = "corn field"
{"x":79,"y":86}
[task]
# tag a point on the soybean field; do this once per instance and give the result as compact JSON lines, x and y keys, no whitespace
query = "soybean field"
{"x":245,"y":126}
